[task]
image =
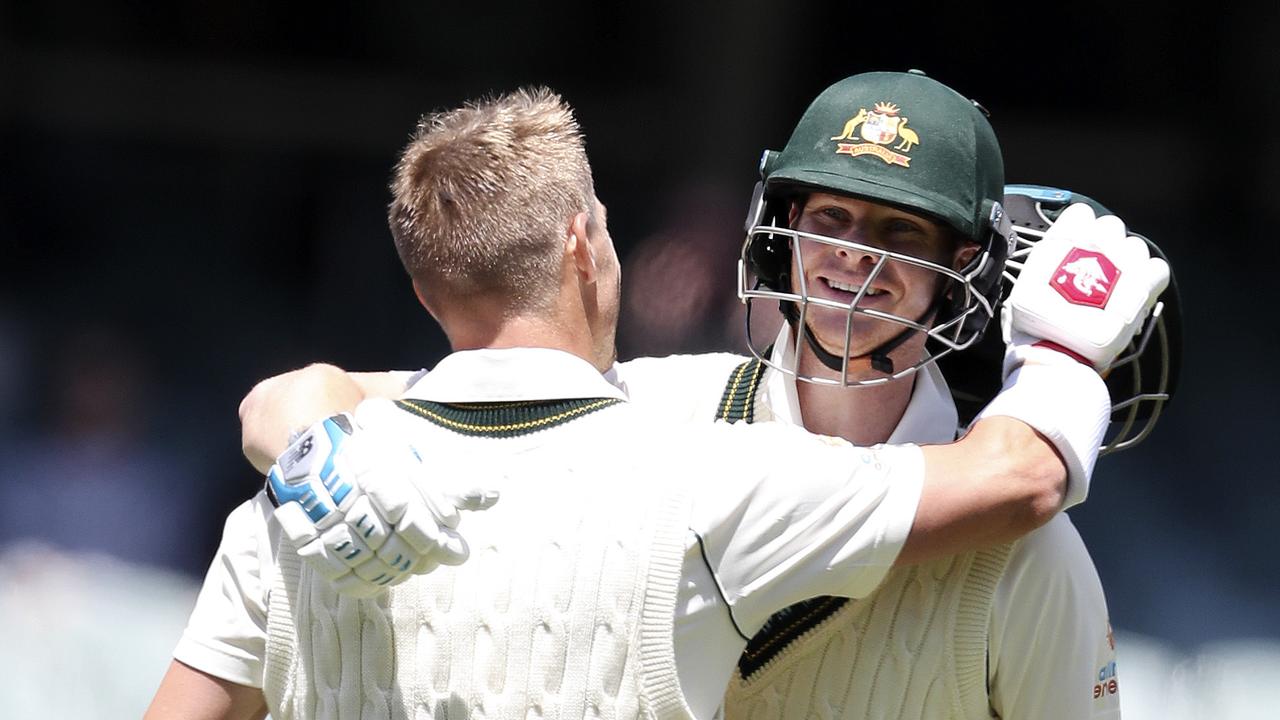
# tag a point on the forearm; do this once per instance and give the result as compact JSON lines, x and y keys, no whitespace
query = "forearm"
{"x":1029,"y":455}
{"x":1000,"y":482}
{"x":279,"y":405}
{"x":1065,"y":401}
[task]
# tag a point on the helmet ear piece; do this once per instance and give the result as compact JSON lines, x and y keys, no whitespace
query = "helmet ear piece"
{"x":755,"y":211}
{"x":987,"y":269}
{"x":768,"y":255}
{"x":770,"y":259}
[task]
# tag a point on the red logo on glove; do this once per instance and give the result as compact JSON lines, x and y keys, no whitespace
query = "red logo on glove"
{"x":1085,"y":277}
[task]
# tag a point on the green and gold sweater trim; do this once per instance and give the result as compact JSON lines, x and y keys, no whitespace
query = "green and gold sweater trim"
{"x":739,"y":400}
{"x":504,"y":419}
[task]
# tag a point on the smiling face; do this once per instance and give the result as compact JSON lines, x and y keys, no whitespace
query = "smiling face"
{"x":836,"y":271}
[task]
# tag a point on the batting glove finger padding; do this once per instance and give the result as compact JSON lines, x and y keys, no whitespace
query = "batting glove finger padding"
{"x":360,"y":509}
{"x":367,"y":523}
{"x":430,"y":531}
{"x":1087,"y":287}
{"x":335,"y":552}
{"x":353,"y":585}
{"x":399,"y":554}
{"x":475,"y":499}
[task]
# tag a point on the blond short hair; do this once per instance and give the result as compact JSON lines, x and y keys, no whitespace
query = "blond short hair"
{"x":483,"y":196}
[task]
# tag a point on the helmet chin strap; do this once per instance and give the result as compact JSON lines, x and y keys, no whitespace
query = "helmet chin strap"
{"x":880,"y":360}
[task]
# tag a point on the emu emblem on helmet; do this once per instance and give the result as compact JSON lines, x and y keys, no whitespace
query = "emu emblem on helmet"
{"x":879,"y":127}
{"x":1085,"y":278}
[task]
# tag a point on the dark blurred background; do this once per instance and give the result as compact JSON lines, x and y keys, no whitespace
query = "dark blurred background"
{"x":192,"y":198}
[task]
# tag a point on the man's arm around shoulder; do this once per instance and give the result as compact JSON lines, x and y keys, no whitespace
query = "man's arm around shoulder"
{"x":1006,"y":478}
{"x":277,"y":406}
{"x":998,"y":483}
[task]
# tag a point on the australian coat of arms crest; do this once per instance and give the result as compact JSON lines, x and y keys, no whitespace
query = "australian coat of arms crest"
{"x":879,"y":128}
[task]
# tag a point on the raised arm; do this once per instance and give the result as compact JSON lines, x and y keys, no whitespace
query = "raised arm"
{"x":281,"y":405}
{"x":1000,"y":482}
{"x":1083,"y":293}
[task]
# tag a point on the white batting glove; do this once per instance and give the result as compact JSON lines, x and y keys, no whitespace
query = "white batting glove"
{"x":360,"y":508}
{"x":1086,"y":287}
{"x":1083,"y":292}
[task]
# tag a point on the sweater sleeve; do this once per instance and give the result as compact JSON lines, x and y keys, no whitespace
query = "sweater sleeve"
{"x":226,"y":633}
{"x":811,"y":517}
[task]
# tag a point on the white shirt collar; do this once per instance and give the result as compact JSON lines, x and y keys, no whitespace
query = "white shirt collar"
{"x":784,"y":401}
{"x":930,"y":416}
{"x":512,"y":374}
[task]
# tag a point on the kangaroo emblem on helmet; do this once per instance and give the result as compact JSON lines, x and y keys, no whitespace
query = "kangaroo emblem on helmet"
{"x":880,"y":126}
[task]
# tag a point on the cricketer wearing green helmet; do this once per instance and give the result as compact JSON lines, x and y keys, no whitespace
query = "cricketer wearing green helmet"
{"x":901,"y":141}
{"x":879,"y":230}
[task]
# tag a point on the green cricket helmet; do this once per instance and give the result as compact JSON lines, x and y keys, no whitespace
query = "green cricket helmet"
{"x":898,"y":139}
{"x":1141,"y":381}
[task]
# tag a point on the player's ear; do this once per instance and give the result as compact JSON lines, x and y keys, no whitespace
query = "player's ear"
{"x":966,"y":251}
{"x":796,"y":207}
{"x":578,"y":246}
{"x":422,"y":295}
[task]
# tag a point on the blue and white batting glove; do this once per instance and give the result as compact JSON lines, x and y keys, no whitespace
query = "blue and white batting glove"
{"x":360,"y":509}
{"x":1083,"y":292}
